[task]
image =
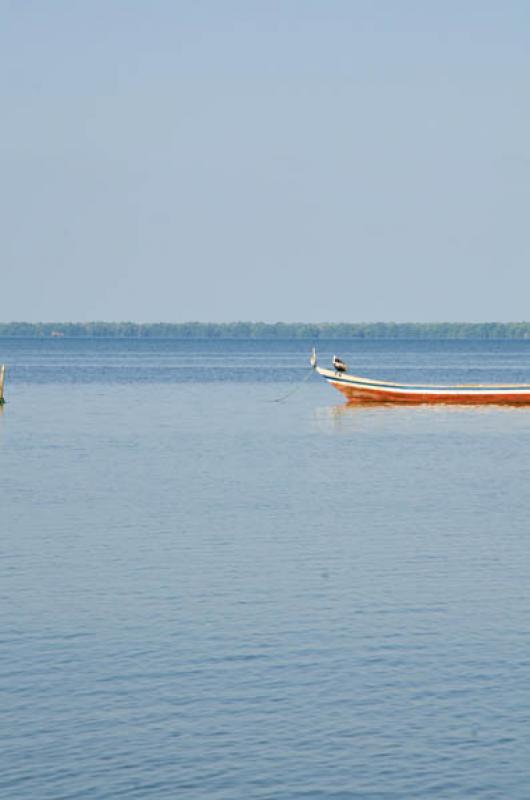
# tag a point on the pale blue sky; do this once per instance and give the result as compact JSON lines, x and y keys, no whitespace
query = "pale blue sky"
{"x":222,"y":160}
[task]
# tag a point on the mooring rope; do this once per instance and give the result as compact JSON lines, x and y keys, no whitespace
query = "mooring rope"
{"x":296,"y":388}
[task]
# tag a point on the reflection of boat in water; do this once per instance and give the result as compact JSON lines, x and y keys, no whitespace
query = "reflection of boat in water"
{"x":2,"y":379}
{"x":365,"y":390}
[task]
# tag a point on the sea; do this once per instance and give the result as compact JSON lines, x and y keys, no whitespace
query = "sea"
{"x":220,"y":582}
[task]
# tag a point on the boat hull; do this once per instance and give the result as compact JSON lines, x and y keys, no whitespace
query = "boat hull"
{"x":361,"y":390}
{"x":368,"y":396}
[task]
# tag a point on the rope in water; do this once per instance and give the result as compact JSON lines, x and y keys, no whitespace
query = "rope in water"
{"x":296,"y":388}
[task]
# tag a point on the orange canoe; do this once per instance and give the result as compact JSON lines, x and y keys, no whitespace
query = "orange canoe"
{"x":364,"y":390}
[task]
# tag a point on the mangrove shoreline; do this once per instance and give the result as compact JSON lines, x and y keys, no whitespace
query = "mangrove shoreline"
{"x":262,"y":330}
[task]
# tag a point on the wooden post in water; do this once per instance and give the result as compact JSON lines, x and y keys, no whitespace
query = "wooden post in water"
{"x":2,"y":379}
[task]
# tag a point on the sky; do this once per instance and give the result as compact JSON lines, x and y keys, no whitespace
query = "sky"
{"x":296,"y":160}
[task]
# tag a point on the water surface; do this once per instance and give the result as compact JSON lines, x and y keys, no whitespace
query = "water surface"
{"x":208,"y":594}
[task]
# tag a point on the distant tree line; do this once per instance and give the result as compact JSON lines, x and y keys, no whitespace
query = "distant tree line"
{"x":277,"y":330}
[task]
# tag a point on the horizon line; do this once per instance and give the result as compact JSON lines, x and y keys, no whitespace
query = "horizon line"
{"x":262,"y":322}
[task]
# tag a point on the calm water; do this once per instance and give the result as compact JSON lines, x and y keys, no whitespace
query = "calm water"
{"x":207,"y":594}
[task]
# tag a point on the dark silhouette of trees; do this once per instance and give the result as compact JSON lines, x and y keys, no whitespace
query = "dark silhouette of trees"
{"x":277,"y":330}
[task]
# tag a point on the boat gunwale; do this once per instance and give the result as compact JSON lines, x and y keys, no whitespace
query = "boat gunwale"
{"x":367,"y":383}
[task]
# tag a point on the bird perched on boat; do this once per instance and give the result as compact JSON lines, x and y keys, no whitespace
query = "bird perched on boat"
{"x":339,"y":365}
